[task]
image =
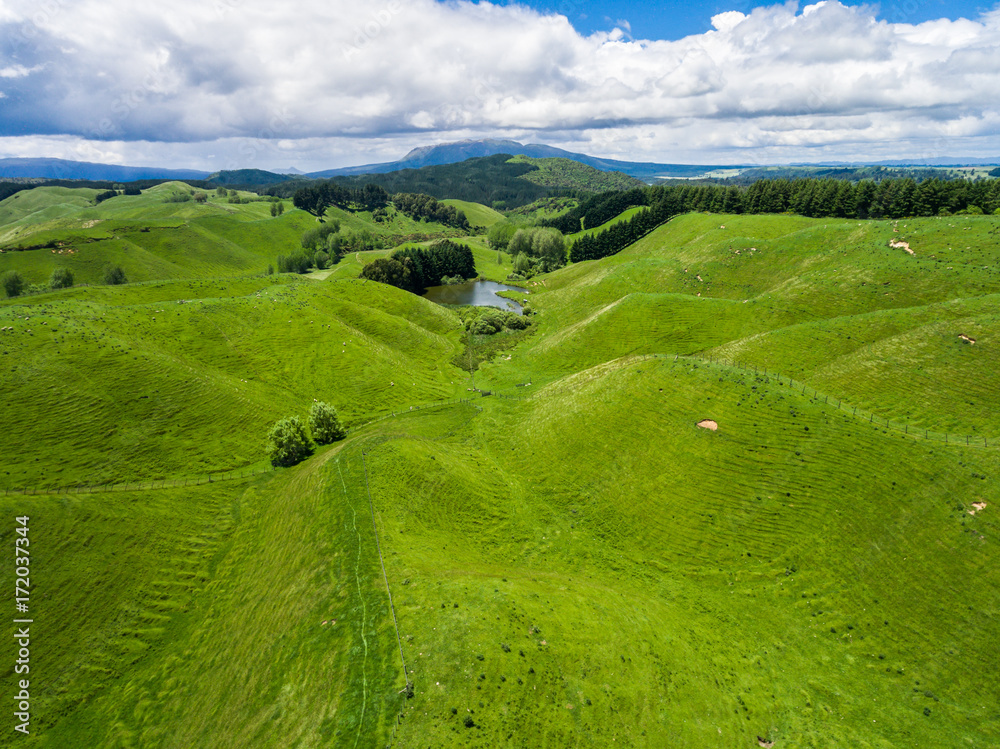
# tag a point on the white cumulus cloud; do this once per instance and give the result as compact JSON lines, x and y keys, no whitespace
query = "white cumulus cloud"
{"x":398,"y":74}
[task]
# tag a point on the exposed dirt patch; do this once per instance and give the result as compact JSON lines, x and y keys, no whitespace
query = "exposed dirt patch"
{"x":764,"y":743}
{"x":896,"y":245}
{"x":709,"y":424}
{"x":966,"y":338}
{"x":977,"y":507}
{"x":91,"y":224}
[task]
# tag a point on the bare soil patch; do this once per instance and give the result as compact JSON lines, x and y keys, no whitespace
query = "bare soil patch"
{"x":976,"y":507}
{"x":901,"y":245}
{"x":709,"y":424}
{"x":966,"y":338}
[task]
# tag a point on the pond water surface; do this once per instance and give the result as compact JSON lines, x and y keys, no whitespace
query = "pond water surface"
{"x":475,"y":293}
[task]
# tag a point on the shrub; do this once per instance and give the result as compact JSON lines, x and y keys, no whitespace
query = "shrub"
{"x":270,"y":270}
{"x":488,"y":323}
{"x":325,"y":424}
{"x":114,"y":275}
{"x":200,"y":197}
{"x":288,"y":442}
{"x":517,"y":322}
{"x":321,"y":260}
{"x":297,"y":263}
{"x":13,"y":284}
{"x":62,"y":278}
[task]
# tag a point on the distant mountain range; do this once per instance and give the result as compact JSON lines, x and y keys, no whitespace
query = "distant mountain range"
{"x":445,"y":153}
{"x":450,"y":153}
{"x":63,"y":169}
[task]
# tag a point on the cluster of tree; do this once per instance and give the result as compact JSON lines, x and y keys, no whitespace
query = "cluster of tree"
{"x":598,"y":209}
{"x":538,"y":249}
{"x":14,"y":284}
{"x":289,"y":441}
{"x":833,"y":198}
{"x":489,"y":320}
{"x":62,"y":278}
{"x":994,"y":172}
{"x":277,"y":207}
{"x":499,"y":235}
{"x":416,"y":268}
{"x":819,"y":198}
{"x":319,"y":237}
{"x":319,"y":196}
{"x":620,"y":235}
{"x":420,"y":206}
{"x":297,"y":262}
{"x":114,"y":275}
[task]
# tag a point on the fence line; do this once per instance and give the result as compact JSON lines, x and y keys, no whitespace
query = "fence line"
{"x":385,"y":575}
{"x":211,"y":478}
{"x":814,"y":394}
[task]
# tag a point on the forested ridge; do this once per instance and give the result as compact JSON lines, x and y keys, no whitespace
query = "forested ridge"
{"x":815,"y":198}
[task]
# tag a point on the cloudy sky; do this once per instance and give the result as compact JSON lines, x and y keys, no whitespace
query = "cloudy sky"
{"x":315,"y":84}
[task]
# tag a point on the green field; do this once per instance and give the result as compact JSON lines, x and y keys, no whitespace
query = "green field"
{"x":572,"y":561}
{"x":154,"y":239}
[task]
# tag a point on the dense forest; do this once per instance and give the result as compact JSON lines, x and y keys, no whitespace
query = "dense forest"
{"x":419,"y":206}
{"x":416,"y":268}
{"x":818,"y":198}
{"x":489,"y":180}
{"x":316,"y":198}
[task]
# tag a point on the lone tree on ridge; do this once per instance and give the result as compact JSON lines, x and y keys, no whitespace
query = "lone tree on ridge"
{"x":325,"y":424}
{"x":288,"y":442}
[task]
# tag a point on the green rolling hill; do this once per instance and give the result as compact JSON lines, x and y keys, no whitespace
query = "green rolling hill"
{"x":572,"y":560}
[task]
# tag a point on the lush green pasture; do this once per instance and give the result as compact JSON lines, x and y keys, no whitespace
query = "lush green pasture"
{"x":183,"y":378}
{"x":153,"y":238}
{"x":573,"y":562}
{"x":477,"y":213}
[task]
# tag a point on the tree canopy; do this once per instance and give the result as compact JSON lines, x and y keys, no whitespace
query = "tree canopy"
{"x":288,"y":442}
{"x":325,"y":424}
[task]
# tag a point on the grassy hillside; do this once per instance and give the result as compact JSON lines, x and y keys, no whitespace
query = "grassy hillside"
{"x":479,"y":215}
{"x":571,"y":562}
{"x":180,"y":379}
{"x":154,"y":238}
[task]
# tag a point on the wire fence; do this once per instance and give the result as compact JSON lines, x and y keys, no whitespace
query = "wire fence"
{"x":215,"y":478}
{"x":132,"y":486}
{"x":907,"y":429}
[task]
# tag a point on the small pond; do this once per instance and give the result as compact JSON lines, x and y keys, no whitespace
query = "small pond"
{"x":475,"y":293}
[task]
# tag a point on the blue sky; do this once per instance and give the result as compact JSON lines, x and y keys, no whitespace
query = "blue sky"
{"x":673,"y":20}
{"x":250,"y":83}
